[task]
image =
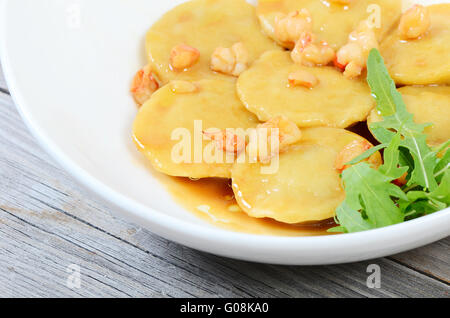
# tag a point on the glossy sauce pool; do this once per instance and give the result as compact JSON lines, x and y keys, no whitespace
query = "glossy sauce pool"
{"x":213,"y":201}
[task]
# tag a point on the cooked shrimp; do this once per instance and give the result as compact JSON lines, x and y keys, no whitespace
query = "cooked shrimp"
{"x":350,"y":59}
{"x":286,"y":134}
{"x":353,"y":56}
{"x":288,"y":28}
{"x":307,"y":53}
{"x":338,"y":65}
{"x":415,"y":22}
{"x":402,"y":180}
{"x":231,"y":61}
{"x":183,"y":56}
{"x":227,"y":140}
{"x":350,"y":152}
{"x":144,"y":85}
{"x":303,"y":78}
{"x":289,"y":133}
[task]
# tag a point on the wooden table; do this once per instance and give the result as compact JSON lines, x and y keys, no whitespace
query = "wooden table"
{"x":48,"y":223}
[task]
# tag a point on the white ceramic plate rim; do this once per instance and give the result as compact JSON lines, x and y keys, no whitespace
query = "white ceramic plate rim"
{"x":259,"y":248}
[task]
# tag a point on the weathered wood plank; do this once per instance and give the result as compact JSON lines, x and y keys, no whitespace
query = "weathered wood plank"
{"x":37,"y":258}
{"x":433,"y":259}
{"x":47,"y":223}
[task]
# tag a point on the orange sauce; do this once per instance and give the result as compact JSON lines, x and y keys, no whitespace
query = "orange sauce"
{"x":213,"y":201}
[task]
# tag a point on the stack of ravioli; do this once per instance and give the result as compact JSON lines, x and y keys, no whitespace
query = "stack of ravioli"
{"x":306,"y":187}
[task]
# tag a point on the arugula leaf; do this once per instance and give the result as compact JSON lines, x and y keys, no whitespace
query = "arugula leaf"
{"x":352,"y":220}
{"x":391,"y":106}
{"x":366,"y":155}
{"x":442,"y":147}
{"x":370,"y":190}
{"x":442,"y":193}
{"x":406,"y":160}
{"x":443,"y":166}
{"x":372,"y":200}
{"x":421,"y":208}
{"x":391,"y":164}
{"x":421,"y":203}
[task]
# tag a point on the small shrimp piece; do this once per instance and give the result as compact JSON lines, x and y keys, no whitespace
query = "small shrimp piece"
{"x":364,"y":36}
{"x":309,"y":54}
{"x":415,"y":22}
{"x":303,"y":78}
{"x":305,"y":39}
{"x":232,"y":61}
{"x":340,"y":66}
{"x":353,"y":69}
{"x":352,"y":57}
{"x":289,"y":133}
{"x":183,"y":87}
{"x":401,"y":181}
{"x":350,"y":152}
{"x":350,"y":52}
{"x":289,"y":28}
{"x":223,"y":60}
{"x":183,"y":56}
{"x":144,"y":85}
{"x":242,"y":58}
{"x":226,"y":140}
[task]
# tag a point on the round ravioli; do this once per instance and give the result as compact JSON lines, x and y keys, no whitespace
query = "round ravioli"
{"x":305,"y":188}
{"x":333,"y":22}
{"x":204,"y":25}
{"x":168,"y":129}
{"x":425,"y":60}
{"x":335,"y":102}
{"x":429,"y":105}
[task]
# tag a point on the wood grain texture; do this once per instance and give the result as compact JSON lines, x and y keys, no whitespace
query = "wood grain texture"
{"x":433,"y":260}
{"x":47,"y":222}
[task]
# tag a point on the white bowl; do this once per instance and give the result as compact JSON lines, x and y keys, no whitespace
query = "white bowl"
{"x":68,"y":65}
